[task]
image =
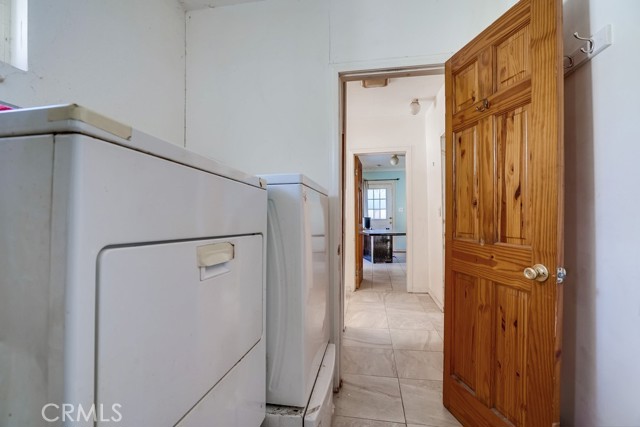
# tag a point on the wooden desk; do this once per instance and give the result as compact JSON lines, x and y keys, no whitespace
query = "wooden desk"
{"x":379,"y":243}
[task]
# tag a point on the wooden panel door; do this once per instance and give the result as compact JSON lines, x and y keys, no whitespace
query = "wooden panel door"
{"x":358,"y":220}
{"x":504,"y":160}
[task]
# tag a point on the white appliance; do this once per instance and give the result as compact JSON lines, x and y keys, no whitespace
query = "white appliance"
{"x":132,"y":278}
{"x":298,"y":318}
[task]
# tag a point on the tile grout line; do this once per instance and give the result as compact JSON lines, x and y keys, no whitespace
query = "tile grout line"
{"x":384,"y":294}
{"x":369,"y":419}
{"x":393,"y":355}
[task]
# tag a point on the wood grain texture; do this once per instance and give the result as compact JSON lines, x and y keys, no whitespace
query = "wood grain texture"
{"x":358,"y":181}
{"x":516,"y":17}
{"x":486,"y":341}
{"x":510,"y":362}
{"x":463,"y":405}
{"x":487,"y":182}
{"x":448,"y":397}
{"x":514,"y":96}
{"x":499,"y":256}
{"x":546,"y":142}
{"x":466,"y":83}
{"x":462,"y":266}
{"x":505,"y":217}
{"x":485,"y":73}
{"x":464,"y":325}
{"x":514,"y":205}
{"x":512,"y":59}
{"x":466,"y":188}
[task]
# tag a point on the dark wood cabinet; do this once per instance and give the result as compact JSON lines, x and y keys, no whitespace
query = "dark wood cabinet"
{"x":379,"y":243}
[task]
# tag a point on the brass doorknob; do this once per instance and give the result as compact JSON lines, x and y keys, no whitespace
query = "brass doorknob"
{"x":538,"y":272}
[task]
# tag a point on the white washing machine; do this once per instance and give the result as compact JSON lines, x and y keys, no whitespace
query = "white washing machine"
{"x":132,"y":278}
{"x":299,"y":392}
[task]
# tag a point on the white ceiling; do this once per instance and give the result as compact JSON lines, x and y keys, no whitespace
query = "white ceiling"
{"x":393,"y":99}
{"x":380,"y":162}
{"x":202,"y":4}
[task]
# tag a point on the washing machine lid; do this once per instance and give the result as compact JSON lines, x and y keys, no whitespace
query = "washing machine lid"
{"x":73,"y":118}
{"x":294,"y":178}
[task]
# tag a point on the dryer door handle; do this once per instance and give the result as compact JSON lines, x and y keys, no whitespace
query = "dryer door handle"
{"x":215,"y":254}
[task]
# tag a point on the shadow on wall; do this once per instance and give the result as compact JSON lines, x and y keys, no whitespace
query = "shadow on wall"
{"x":579,"y":403}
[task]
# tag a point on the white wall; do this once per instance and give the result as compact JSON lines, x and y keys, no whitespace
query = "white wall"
{"x":258,"y":94}
{"x":434,"y":129}
{"x":122,"y":58}
{"x":391,"y":134}
{"x":371,"y":30}
{"x":601,"y":374}
{"x":262,"y":76}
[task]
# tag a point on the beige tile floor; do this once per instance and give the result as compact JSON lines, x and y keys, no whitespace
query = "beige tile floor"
{"x":391,"y":355}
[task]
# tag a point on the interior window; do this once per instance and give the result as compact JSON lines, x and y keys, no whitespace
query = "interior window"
{"x":377,"y":203}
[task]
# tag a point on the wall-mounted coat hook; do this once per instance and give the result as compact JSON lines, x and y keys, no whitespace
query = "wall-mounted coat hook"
{"x":589,"y":41}
{"x":595,"y":44}
{"x":569,"y":62}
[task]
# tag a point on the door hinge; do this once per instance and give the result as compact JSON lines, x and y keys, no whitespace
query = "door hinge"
{"x":561,"y":274}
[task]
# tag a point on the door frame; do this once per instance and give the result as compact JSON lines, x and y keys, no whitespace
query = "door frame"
{"x":408,"y":170}
{"x":443,"y":208}
{"x":339,"y":75}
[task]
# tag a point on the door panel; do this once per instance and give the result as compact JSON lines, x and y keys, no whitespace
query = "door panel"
{"x":466,"y":194}
{"x":486,"y":182}
{"x":466,"y":83}
{"x":512,"y":59}
{"x":484,"y":341}
{"x":510,"y":352}
{"x":504,"y":186}
{"x":466,"y":301}
{"x":512,"y":179}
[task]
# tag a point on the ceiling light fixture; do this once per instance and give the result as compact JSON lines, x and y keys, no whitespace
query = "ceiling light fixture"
{"x":414,"y":106}
{"x":394,"y":160}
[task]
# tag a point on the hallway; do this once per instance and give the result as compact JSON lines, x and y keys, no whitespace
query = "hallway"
{"x":392,"y":355}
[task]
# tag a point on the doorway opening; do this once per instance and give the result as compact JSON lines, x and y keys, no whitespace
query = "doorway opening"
{"x":393,"y":328}
{"x":394,"y":120}
{"x":380,"y":200}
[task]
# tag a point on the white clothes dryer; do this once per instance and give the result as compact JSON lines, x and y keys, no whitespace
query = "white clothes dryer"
{"x":132,"y":278}
{"x":298,"y":320}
